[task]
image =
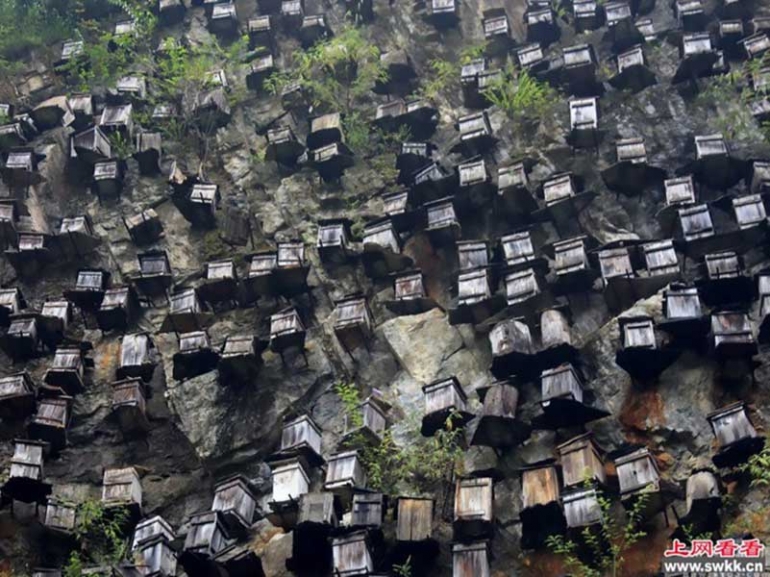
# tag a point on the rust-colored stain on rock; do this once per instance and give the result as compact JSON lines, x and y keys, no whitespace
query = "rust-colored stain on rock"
{"x":641,"y":411}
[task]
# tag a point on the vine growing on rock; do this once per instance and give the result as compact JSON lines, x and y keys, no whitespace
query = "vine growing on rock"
{"x":426,"y":464}
{"x":99,"y":535}
{"x":606,"y":542}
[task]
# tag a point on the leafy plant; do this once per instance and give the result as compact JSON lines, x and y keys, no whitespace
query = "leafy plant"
{"x":607,"y":542}
{"x":441,"y":74}
{"x":99,"y":533}
{"x":27,"y":25}
{"x":425,"y":464}
{"x":405,"y":569}
{"x":758,"y":467}
{"x":120,"y":145}
{"x":521,"y":95}
{"x":335,"y":74}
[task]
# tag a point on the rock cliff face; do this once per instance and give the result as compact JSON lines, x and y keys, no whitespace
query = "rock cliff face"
{"x":202,"y":429}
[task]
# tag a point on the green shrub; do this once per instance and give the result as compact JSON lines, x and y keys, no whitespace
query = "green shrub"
{"x":521,"y":96}
{"x":424,"y":464}
{"x":607,"y":542}
{"x":334,"y":74}
{"x":99,"y":535}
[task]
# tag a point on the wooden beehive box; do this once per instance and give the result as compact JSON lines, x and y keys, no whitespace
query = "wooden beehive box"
{"x":749,"y":211}
{"x":615,"y":262}
{"x":680,"y":191}
{"x":144,"y":227}
{"x":195,"y":355}
{"x":137,"y":357}
{"x":301,"y":436}
{"x":473,"y":508}
{"x":17,"y":396}
{"x":373,"y":420}
{"x":562,"y":381}
{"x":518,"y":248}
{"x":660,"y":258}
{"x":521,"y":286}
{"x":511,"y":336}
{"x":286,"y":330}
{"x":474,"y":126}
{"x":558,"y":188}
{"x":368,"y":510}
{"x":122,"y":487}
{"x":695,"y":222}
{"x":224,"y":19}
{"x":472,"y":254}
{"x":637,"y":332}
{"x":51,"y":421}
{"x":345,"y":475}
{"x":60,"y":516}
{"x":351,"y":555}
{"x":444,"y":394}
{"x":318,"y":509}
{"x":637,"y":472}
{"x":290,"y":481}
{"x":27,"y":459}
{"x":151,"y":528}
{"x":471,"y":560}
{"x":441,"y":214}
{"x":722,"y":265}
{"x":129,"y":405}
{"x":353,"y":321}
{"x":414,"y":518}
{"x":67,"y":370}
{"x":756,"y":44}
{"x":682,"y":303}
{"x":579,"y":56}
{"x":207,"y":534}
{"x":473,"y":286}
{"x":581,"y":461}
{"x":539,"y":486}
{"x":234,"y":499}
{"x":333,"y":240}
{"x":22,"y":336}
{"x":11,"y":302}
{"x":628,"y":60}
{"x":732,"y":333}
{"x":581,"y":508}
{"x":154,"y":264}
{"x":381,"y":234}
{"x":731,"y":424}
{"x":584,"y":114}
{"x":571,"y":256}
{"x":119,"y":307}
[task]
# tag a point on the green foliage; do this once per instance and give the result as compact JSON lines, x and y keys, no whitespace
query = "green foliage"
{"x":99,"y":533}
{"x":27,"y":25}
{"x":106,"y":57}
{"x":424,"y":463}
{"x":405,"y":569}
{"x":730,"y":95}
{"x":758,"y":467}
{"x":521,"y":96}
{"x":607,"y":542}
{"x":441,"y":75}
{"x":121,"y":146}
{"x":470,"y":53}
{"x":335,"y":74}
